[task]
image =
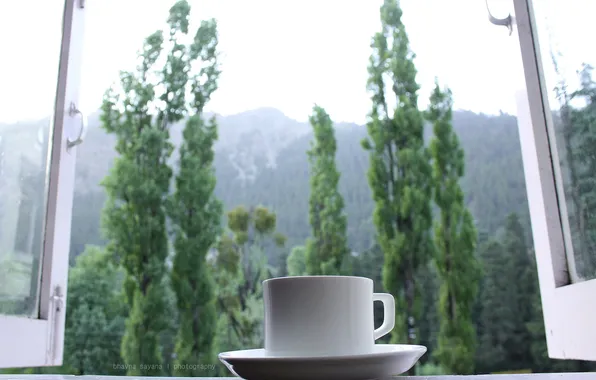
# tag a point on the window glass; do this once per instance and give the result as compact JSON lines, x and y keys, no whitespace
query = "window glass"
{"x":564,"y":31}
{"x":27,"y":98}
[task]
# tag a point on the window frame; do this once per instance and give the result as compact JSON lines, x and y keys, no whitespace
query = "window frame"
{"x":569,"y":309}
{"x":37,"y":342}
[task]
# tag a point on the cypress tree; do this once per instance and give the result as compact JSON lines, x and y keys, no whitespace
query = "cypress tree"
{"x":194,"y":210}
{"x":399,"y":173}
{"x":327,"y":251}
{"x":455,"y":243}
{"x":139,"y":113}
{"x":134,"y":217}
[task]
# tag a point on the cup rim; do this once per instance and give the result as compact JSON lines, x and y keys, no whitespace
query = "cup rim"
{"x":317,"y":277}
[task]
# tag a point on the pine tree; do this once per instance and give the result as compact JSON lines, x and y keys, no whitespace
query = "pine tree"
{"x":326,"y":251}
{"x":399,"y":173}
{"x":508,"y":295}
{"x":139,"y":113}
{"x":194,"y":210}
{"x":455,"y":243}
{"x":523,"y":292}
{"x":497,"y":311}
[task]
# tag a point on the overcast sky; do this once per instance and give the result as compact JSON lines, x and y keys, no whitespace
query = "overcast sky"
{"x":287,"y":54}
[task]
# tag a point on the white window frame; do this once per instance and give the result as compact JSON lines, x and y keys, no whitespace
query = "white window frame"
{"x":37,"y":342}
{"x":569,"y":308}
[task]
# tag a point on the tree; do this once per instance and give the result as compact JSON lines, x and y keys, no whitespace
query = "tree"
{"x":327,"y":251}
{"x":168,"y":338}
{"x":240,"y":265}
{"x":524,"y":289}
{"x":228,"y":274}
{"x":296,"y":263}
{"x":455,"y":243}
{"x":429,"y":322}
{"x":139,"y":112}
{"x":194,"y":210}
{"x":95,"y":315}
{"x":508,"y":296}
{"x":399,"y":173}
{"x":493,"y":185}
{"x":497,"y":312}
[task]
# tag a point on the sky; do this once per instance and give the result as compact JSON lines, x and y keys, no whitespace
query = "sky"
{"x":287,"y":54}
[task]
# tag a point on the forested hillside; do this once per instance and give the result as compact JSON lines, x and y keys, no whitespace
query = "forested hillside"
{"x":264,"y":162}
{"x":261,"y":159}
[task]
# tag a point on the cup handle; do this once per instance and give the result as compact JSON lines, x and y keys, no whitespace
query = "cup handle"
{"x":388,"y":314}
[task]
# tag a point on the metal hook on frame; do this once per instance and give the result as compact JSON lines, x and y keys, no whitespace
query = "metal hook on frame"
{"x":507,"y":21}
{"x":74,"y":111}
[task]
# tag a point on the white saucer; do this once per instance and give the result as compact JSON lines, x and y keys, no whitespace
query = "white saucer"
{"x":386,"y":360}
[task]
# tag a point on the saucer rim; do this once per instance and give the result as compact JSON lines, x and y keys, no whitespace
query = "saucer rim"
{"x":409,"y":349}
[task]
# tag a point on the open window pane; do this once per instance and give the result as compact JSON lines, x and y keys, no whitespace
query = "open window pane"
{"x":555,"y":124}
{"x":39,"y":126}
{"x":564,"y":34}
{"x":28,"y":97}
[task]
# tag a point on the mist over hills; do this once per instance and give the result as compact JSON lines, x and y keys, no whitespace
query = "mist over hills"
{"x":261,"y":159}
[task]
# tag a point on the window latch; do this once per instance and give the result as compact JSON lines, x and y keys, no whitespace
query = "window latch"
{"x":81,"y":4}
{"x":56,"y":307}
{"x":74,"y":111}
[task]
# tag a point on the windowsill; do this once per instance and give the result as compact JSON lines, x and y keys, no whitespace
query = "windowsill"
{"x":533,"y":376}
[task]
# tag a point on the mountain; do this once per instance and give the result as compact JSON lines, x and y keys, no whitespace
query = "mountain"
{"x":261,"y":159}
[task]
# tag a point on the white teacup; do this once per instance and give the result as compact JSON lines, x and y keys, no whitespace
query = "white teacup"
{"x":323,"y":315}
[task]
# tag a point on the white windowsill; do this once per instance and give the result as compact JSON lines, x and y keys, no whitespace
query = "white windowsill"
{"x":534,"y":376}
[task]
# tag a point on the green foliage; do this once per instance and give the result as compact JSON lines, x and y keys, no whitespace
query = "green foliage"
{"x":525,"y":288}
{"x":264,"y":221}
{"x":429,"y":322}
{"x":194,"y":211}
{"x":496,"y":315}
{"x":399,"y":170}
{"x":430,"y":369}
{"x":493,"y":183}
{"x":168,"y":336}
{"x":296,"y":264}
{"x":240,"y":265}
{"x":327,"y":251}
{"x":279,"y":239}
{"x":95,"y":315}
{"x":138,"y":113}
{"x":508,"y":294}
{"x":455,"y":243}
